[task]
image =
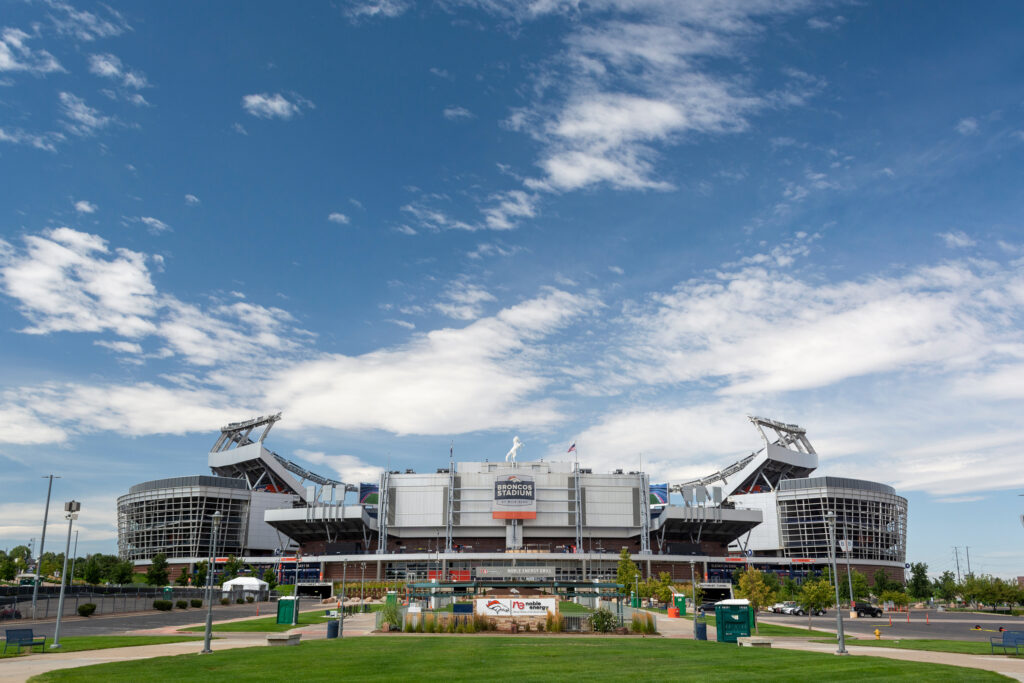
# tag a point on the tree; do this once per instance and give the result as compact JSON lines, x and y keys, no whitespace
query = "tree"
{"x":882,"y":583}
{"x":815,"y":596}
{"x":919,"y":587}
{"x":156,"y":575}
{"x":199,"y":575}
{"x":754,"y":588}
{"x":945,"y":586}
{"x":790,"y":589}
{"x":20,"y":554}
{"x":231,"y":568}
{"x":183,"y":578}
{"x":271,"y":578}
{"x":8,"y":570}
{"x":92,"y":572}
{"x":627,"y":572}
{"x":122,"y":573}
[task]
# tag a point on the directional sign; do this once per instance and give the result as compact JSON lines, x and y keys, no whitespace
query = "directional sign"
{"x":846,"y":545}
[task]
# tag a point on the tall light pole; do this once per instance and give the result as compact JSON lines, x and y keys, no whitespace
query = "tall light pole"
{"x":341,"y":610}
{"x":693,"y":586}
{"x":42,"y":542}
{"x":849,"y":574}
{"x":71,"y":509}
{"x":74,"y":556}
{"x":214,"y":525}
{"x":831,"y":516}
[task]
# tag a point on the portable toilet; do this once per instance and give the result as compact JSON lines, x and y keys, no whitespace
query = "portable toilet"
{"x":392,"y":598}
{"x":733,"y":619}
{"x":286,"y":607}
{"x":679,"y":602}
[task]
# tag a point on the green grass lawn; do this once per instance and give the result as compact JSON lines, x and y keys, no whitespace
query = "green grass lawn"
{"x":567,"y":607}
{"x":960,"y":646}
{"x":763,"y":629}
{"x":525,"y":658}
{"x":77,"y":643}
{"x":262,"y":625}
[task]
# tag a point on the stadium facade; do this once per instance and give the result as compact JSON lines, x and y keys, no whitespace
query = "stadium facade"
{"x":476,"y":518}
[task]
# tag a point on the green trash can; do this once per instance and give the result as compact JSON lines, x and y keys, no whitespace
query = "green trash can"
{"x":679,"y":602}
{"x":733,"y":619}
{"x":392,"y":598}
{"x":634,"y":600}
{"x":285,"y":609}
{"x":168,"y":592}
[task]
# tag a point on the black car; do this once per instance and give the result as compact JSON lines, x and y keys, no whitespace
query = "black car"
{"x":866,"y":609}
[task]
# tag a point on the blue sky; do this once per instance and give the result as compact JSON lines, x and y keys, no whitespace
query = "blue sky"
{"x":625,"y":224}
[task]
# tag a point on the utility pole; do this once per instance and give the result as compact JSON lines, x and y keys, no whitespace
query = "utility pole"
{"x":74,"y":556}
{"x":42,"y":542}
{"x":956,"y":552}
{"x":967,"y":549}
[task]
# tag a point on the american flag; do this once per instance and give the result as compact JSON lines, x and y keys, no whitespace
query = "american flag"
{"x":572,"y":447}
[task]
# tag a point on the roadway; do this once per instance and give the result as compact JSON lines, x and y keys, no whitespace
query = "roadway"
{"x":938,"y":625}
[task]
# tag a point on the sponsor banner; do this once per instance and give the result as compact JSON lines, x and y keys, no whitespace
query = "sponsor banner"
{"x":658,"y":499}
{"x":515,"y":497}
{"x":516,"y":607}
{"x":514,"y":572}
{"x":369,"y":494}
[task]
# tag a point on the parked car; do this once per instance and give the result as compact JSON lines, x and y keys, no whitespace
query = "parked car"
{"x":9,"y":613}
{"x":866,"y":609}
{"x":798,"y":611}
{"x":788,"y":607}
{"x":777,"y":607}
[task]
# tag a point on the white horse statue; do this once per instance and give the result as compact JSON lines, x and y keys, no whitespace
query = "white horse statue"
{"x":514,"y":451}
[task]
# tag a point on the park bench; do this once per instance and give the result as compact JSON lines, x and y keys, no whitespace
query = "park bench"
{"x":278,"y":639}
{"x":1014,"y":639}
{"x":23,"y":636}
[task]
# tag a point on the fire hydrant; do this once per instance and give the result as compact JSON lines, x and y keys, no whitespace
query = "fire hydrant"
{"x":878,"y":634}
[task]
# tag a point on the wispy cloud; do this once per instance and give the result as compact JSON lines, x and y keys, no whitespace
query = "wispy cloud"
{"x":83,"y":206}
{"x":464,"y":301}
{"x":339,"y":218}
{"x":276,"y":106}
{"x":84,"y":25}
{"x":110,"y":66}
{"x":15,"y":54}
{"x":968,"y":126}
{"x":454,"y":113}
{"x":957,"y":239}
{"x":154,"y":225}
{"x":43,"y":141}
{"x":372,"y":9}
{"x":80,"y":118}
{"x":192,"y":200}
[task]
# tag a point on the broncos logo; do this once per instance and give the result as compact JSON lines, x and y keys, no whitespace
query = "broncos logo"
{"x":496,"y":607}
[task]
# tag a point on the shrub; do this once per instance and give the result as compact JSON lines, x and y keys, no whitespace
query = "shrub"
{"x":225,"y":601}
{"x":240,"y":601}
{"x":249,"y":598}
{"x":409,"y":628}
{"x":86,"y":610}
{"x":549,"y":622}
{"x":162,"y":605}
{"x":196,"y":602}
{"x":419,"y":624}
{"x":181,"y":604}
{"x":460,"y":628}
{"x":603,"y":621}
{"x":450,"y":625}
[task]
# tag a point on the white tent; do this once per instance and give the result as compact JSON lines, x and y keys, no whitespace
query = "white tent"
{"x":246,"y":585}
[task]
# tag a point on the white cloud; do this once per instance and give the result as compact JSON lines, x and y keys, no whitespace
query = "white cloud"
{"x":339,"y":218}
{"x":84,"y":25}
{"x":121,"y":346}
{"x":80,"y":118}
{"x":82,"y":206}
{"x":155,"y":225}
{"x":464,"y":301}
{"x":110,"y":66}
{"x":239,"y":128}
{"x":191,"y":200}
{"x":956,"y":239}
{"x":968,"y":126}
{"x":16,"y":55}
{"x":44,"y":141}
{"x":509,"y":207}
{"x":454,"y":113}
{"x":617,"y":270}
{"x":276,"y":106}
{"x":441,"y":73}
{"x":371,"y":9}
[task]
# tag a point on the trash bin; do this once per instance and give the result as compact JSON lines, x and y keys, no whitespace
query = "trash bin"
{"x":168,"y":592}
{"x":634,"y":600}
{"x":332,"y":628}
{"x":733,"y":619}
{"x":392,"y":598}
{"x":702,"y":631}
{"x":285,"y":609}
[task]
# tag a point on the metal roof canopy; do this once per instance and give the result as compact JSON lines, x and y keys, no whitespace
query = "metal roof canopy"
{"x":570,"y":587}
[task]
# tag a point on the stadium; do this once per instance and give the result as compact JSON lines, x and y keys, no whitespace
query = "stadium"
{"x":557,"y":521}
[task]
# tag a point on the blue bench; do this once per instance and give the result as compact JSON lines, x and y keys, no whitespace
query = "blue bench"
{"x":1014,"y":639}
{"x":23,"y":636}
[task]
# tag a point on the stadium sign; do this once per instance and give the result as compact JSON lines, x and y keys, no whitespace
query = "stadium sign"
{"x":514,"y":497}
{"x":516,"y":607}
{"x":514,"y":572}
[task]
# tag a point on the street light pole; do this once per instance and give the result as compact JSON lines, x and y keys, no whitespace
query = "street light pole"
{"x":849,"y":574}
{"x":362,"y":575}
{"x":71,"y":509}
{"x":693,"y":587}
{"x":42,"y":543}
{"x":831,"y":516}
{"x":214,"y":525}
{"x":295,"y":593}
{"x":74,"y":556}
{"x":341,"y":608}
